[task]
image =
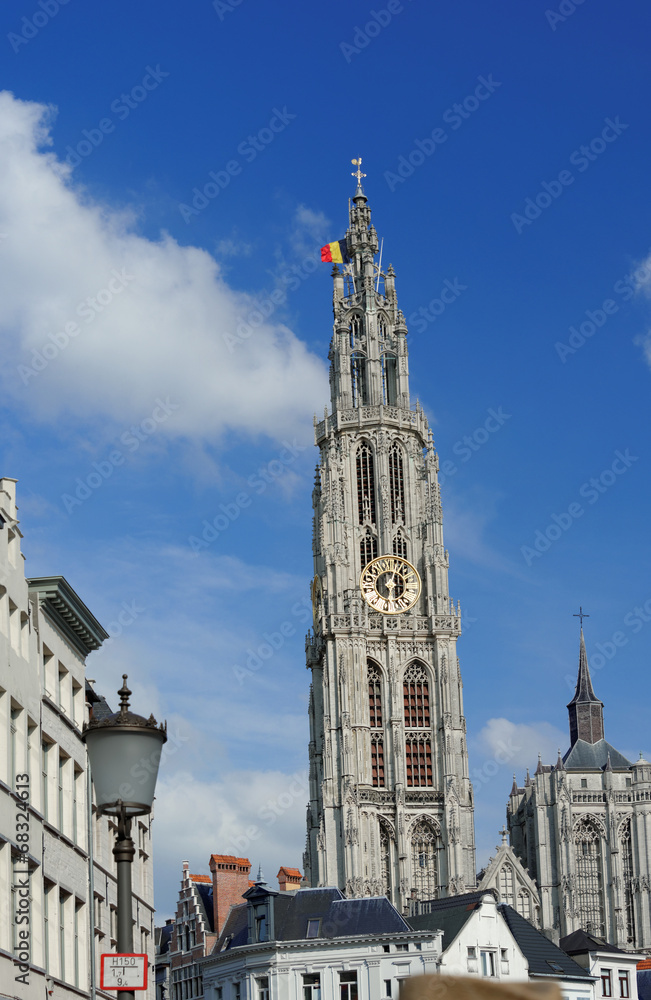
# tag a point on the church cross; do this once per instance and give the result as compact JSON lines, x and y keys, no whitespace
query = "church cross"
{"x":581,"y":615}
{"x":358,"y":173}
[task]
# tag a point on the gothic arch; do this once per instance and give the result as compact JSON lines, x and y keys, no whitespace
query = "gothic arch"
{"x":397,"y":496}
{"x":424,"y":838}
{"x":365,"y":478}
{"x":389,"y":371}
{"x":417,"y":662}
{"x":387,"y":842}
{"x":589,"y":818}
{"x":424,"y":818}
{"x":588,"y":838}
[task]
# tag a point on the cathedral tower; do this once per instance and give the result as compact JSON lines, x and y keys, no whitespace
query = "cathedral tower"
{"x":391,"y":808}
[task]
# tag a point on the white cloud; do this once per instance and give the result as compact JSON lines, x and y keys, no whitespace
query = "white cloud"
{"x":254,"y":814}
{"x":518,"y":744}
{"x":150,"y":315}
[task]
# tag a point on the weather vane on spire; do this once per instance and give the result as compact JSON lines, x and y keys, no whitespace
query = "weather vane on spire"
{"x":358,"y":173}
{"x":581,"y":615}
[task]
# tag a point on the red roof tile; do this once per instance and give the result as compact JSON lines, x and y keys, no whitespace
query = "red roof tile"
{"x":289,"y":873}
{"x":201,"y":878}
{"x":229,"y":859}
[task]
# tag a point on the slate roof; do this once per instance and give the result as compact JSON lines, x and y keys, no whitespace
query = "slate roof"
{"x":585,"y":756}
{"x":204,"y":892}
{"x":644,"y":984}
{"x":584,"y":691}
{"x":539,"y":951}
{"x":162,"y":938}
{"x":580,"y":942}
{"x":340,"y":918}
{"x":448,"y":915}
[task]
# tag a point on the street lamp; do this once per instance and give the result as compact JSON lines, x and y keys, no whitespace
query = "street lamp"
{"x":124,"y":751}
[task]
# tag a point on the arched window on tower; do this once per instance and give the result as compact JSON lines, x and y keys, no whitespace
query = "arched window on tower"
{"x":424,"y":866}
{"x":359,"y":379}
{"x":389,"y":379}
{"x":367,"y":548}
{"x":505,"y":883}
{"x":589,"y":878}
{"x":396,"y":485}
{"x":385,"y":859}
{"x":355,"y":331}
{"x":627,"y":873}
{"x":400,"y":544}
{"x":418,"y":735}
{"x":376,"y":724}
{"x":365,"y":485}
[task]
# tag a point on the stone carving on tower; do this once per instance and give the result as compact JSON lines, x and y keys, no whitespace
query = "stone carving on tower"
{"x":391,"y":806}
{"x":582,"y":827}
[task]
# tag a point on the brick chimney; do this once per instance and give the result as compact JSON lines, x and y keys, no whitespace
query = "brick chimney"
{"x":289,"y":879}
{"x":230,"y":879}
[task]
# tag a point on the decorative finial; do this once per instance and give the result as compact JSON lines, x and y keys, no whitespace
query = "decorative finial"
{"x":581,"y":615}
{"x":358,"y":173}
{"x":260,"y":877}
{"x":503,"y":832}
{"x":124,"y":696}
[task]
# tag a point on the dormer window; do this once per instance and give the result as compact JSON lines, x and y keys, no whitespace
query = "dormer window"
{"x":261,"y":926}
{"x":313,"y":926}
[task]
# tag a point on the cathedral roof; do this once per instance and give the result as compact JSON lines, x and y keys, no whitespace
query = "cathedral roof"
{"x":584,"y":691}
{"x":585,"y":756}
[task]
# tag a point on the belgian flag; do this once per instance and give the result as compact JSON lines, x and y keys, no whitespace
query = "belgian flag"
{"x":335,"y":253}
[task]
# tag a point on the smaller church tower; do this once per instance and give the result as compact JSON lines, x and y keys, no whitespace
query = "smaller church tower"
{"x":581,"y":827}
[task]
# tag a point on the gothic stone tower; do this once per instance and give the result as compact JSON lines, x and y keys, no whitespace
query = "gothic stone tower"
{"x":391,"y":807}
{"x":583,"y":829}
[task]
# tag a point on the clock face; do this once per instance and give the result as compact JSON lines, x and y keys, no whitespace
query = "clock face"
{"x":317,"y":597}
{"x":390,"y":585}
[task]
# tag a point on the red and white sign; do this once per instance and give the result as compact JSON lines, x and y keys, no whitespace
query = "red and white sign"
{"x":123,"y":972}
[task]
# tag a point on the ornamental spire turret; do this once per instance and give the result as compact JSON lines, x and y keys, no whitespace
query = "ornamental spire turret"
{"x":585,"y":709}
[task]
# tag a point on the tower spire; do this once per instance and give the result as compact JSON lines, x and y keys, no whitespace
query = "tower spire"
{"x":586,"y":711}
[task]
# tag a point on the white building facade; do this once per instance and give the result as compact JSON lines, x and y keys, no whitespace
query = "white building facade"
{"x":58,"y":895}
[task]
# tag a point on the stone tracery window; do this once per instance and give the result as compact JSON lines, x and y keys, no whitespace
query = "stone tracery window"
{"x":506,"y":884}
{"x":367,"y":548}
{"x":389,"y":379}
{"x":424,"y":862}
{"x":524,"y":904}
{"x":589,"y":878}
{"x":355,"y":330}
{"x":377,"y":731}
{"x":365,"y":484}
{"x":359,"y":379}
{"x":396,"y":485}
{"x":418,"y":736}
{"x":400,"y":544}
{"x":416,"y":697}
{"x":627,"y":872}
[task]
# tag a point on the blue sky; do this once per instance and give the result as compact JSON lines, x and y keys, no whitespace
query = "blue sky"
{"x":165,"y":397}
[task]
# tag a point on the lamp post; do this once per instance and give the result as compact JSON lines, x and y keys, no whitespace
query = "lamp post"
{"x":124,"y":751}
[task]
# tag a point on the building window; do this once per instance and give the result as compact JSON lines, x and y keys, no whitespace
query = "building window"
{"x":367,"y":548}
{"x":424,"y":865}
{"x":624,"y":990}
{"x":416,"y":697}
{"x":589,"y":881}
{"x":400,"y":545}
{"x":347,"y":986}
{"x":606,"y":983}
{"x":261,"y":927}
{"x":311,"y":986}
{"x":524,"y":904}
{"x":377,"y":760}
{"x":262,"y":988}
{"x":387,"y":988}
{"x":418,"y":760}
{"x":396,"y":485}
{"x":506,"y":885}
{"x":389,"y":379}
{"x":63,"y":897}
{"x":584,"y":782}
{"x":355,"y":331}
{"x":358,"y":379}
{"x":365,"y":485}
{"x":313,"y":926}
{"x":236,"y":991}
{"x":627,"y":872}
{"x":375,"y":696}
{"x":487,"y":963}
